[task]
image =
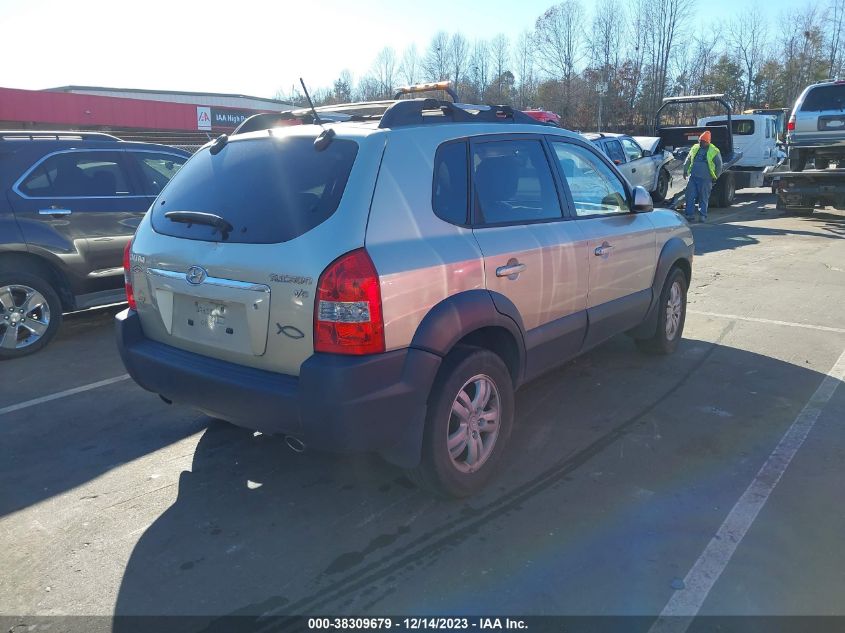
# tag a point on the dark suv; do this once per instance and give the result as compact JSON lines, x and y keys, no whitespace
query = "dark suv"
{"x":70,"y":202}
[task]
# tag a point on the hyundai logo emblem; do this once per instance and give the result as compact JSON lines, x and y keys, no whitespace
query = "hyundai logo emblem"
{"x":196,"y":275}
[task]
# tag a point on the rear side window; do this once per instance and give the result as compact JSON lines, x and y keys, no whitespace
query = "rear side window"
{"x":156,"y":170}
{"x":450,"y":190}
{"x":269,"y":189}
{"x":824,"y":98}
{"x":78,"y":174}
{"x":513,"y":183}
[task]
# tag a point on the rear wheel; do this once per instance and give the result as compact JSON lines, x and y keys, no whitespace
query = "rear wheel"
{"x":726,"y":191}
{"x":30,"y":314}
{"x":672,"y":312}
{"x":468,"y":424}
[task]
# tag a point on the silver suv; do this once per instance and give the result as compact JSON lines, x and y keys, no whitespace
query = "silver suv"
{"x":385,"y":281}
{"x":816,"y":128}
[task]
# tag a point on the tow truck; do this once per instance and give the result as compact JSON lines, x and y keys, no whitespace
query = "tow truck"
{"x":679,"y":140}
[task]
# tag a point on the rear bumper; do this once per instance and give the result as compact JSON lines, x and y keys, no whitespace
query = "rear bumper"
{"x":835,"y":144}
{"x":338,"y":403}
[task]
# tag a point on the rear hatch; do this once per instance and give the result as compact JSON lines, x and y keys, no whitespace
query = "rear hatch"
{"x":226,"y":262}
{"x":822,"y":110}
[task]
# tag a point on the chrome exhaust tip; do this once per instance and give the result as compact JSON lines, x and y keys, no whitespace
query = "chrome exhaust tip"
{"x":295,"y":444}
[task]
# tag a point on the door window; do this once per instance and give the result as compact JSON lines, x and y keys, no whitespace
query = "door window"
{"x":78,"y":175}
{"x":632,"y":150}
{"x":156,"y":170}
{"x":595,"y":189}
{"x":513,"y":183}
{"x":615,"y":152}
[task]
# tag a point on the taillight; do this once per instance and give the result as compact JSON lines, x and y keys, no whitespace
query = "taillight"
{"x":127,"y":276}
{"x":791,"y":125}
{"x":347,"y":309}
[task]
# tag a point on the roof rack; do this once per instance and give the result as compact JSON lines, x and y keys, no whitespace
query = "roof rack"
{"x":393,"y":114}
{"x":54,"y":135}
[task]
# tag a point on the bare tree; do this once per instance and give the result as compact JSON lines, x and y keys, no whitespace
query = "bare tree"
{"x":666,"y":19}
{"x":436,"y":62}
{"x":410,"y":67}
{"x":384,"y":71}
{"x":747,"y":36}
{"x":835,"y":22}
{"x":479,"y":68}
{"x":524,"y":65}
{"x":458,"y":57}
{"x":560,"y":35}
{"x":606,"y":35}
{"x":500,"y":57}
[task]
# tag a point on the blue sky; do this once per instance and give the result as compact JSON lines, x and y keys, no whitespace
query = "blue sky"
{"x":250,"y":46}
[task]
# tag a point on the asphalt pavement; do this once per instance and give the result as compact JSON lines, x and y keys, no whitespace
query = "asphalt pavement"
{"x":633,"y":483}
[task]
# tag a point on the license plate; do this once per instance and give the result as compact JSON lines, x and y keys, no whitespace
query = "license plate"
{"x":212,"y":315}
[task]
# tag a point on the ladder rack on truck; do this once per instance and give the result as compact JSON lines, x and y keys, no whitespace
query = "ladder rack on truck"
{"x":800,"y":191}
{"x":679,"y":140}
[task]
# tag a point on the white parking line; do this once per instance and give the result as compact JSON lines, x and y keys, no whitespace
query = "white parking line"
{"x":685,"y":603}
{"x":735,"y":317}
{"x":62,"y":394}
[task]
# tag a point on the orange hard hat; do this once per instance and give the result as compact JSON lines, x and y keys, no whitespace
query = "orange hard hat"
{"x":705,"y":136}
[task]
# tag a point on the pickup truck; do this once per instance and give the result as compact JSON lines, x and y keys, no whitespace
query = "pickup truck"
{"x":639,"y":160}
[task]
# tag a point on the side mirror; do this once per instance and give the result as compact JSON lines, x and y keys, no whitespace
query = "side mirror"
{"x":642,"y":200}
{"x":646,"y":153}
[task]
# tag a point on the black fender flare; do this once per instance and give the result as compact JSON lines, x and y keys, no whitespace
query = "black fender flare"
{"x":674,"y":250}
{"x":453,"y":318}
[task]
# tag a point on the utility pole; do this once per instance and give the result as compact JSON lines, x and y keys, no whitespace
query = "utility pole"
{"x":601,"y":88}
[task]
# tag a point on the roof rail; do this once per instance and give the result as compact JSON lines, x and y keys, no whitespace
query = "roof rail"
{"x":445,"y":86}
{"x":422,"y":111}
{"x":393,"y":114}
{"x":55,"y":135}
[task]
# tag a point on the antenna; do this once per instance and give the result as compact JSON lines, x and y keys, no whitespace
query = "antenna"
{"x":311,"y":103}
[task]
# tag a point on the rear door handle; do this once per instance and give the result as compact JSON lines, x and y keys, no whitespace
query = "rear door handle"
{"x":603,"y":250}
{"x":510,"y":270}
{"x":54,"y":212}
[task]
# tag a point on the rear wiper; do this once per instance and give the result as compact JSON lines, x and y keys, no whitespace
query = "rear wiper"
{"x":198,"y":217}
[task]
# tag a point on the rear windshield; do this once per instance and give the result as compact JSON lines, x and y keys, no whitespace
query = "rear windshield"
{"x":824,"y":98}
{"x":741,"y":127}
{"x":268,"y":189}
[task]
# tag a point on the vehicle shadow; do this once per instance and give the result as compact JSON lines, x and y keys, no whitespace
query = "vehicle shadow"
{"x":718,"y":236}
{"x":257,"y":529}
{"x":49,"y":448}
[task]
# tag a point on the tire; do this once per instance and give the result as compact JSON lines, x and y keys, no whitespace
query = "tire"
{"x":659,"y":194}
{"x":453,"y":474}
{"x":797,"y":160}
{"x":34,"y":329}
{"x":664,"y":341}
{"x":726,"y":191}
{"x":822,"y":163}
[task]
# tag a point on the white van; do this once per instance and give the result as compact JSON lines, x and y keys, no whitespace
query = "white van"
{"x":754,"y":135}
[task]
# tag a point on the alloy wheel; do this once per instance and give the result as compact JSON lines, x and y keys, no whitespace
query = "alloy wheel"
{"x":674,"y":309}
{"x":473,"y":424}
{"x":24,"y":316}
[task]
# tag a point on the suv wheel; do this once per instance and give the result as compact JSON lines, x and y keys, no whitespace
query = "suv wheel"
{"x":822,"y":163}
{"x":30,"y":313}
{"x":469,"y":421}
{"x":672,"y":313}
